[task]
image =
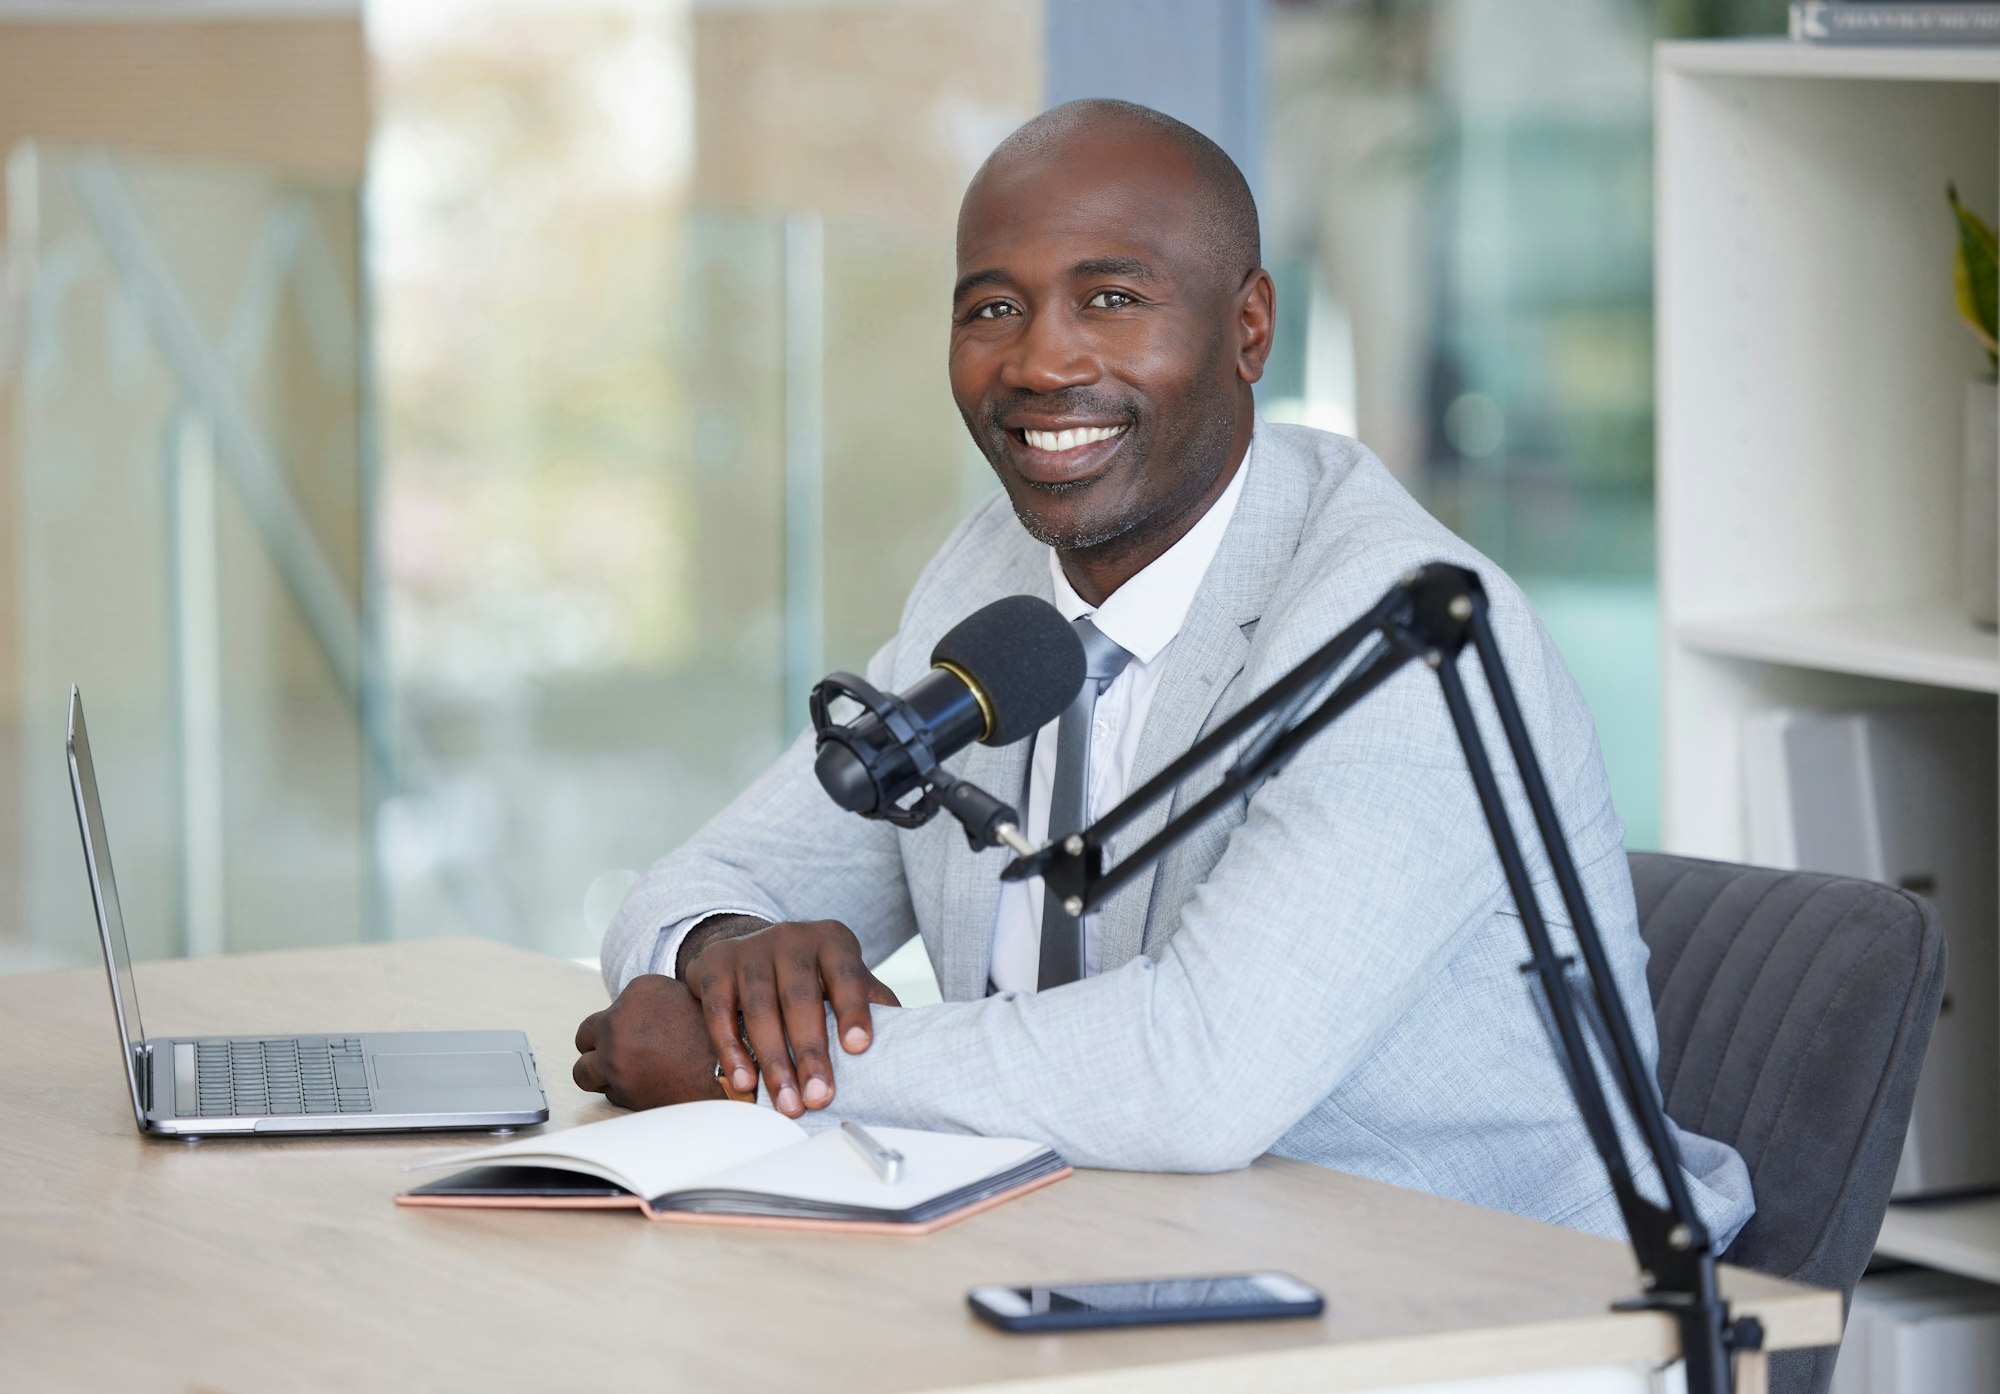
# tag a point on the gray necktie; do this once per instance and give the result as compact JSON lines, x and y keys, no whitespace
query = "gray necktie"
{"x":1062,"y":935}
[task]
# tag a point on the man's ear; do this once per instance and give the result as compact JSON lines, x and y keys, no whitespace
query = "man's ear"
{"x":1256,"y":317}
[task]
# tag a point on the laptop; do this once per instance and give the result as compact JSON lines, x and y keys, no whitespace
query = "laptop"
{"x":318,"y":1082}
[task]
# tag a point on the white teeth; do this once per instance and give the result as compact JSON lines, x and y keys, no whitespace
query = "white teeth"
{"x":1070,"y":440}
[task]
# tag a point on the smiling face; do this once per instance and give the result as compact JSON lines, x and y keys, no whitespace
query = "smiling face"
{"x":1102,"y":347}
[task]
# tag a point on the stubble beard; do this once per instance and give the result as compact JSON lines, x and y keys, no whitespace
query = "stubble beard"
{"x":1206,"y":448}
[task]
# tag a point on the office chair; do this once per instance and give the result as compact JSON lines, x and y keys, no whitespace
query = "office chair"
{"x":1794,"y":1010}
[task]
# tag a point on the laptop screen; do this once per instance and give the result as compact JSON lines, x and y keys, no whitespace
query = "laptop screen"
{"x":103,"y":888}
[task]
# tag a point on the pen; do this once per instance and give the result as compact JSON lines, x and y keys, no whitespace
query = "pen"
{"x":887,"y":1161}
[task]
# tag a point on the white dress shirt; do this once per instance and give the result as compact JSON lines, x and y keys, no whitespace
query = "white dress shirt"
{"x":1142,"y":617}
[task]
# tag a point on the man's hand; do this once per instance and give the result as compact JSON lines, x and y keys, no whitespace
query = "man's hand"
{"x":647,"y":1048}
{"x":780,"y":977}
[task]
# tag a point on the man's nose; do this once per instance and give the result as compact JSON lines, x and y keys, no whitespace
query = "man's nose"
{"x":1049,"y":355}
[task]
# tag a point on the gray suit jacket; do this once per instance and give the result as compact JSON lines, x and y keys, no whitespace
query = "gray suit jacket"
{"x":1329,"y":970}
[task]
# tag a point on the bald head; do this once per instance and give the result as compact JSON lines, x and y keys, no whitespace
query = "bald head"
{"x":1223,"y":213}
{"x":1108,"y":323}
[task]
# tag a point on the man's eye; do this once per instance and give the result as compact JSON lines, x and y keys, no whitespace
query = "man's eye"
{"x":993,"y":310}
{"x":1111,"y":300}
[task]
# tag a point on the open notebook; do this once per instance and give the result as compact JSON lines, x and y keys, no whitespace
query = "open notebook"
{"x":715,"y":1162}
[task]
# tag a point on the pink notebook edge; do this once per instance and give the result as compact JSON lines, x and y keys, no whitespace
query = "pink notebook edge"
{"x":739,"y":1221}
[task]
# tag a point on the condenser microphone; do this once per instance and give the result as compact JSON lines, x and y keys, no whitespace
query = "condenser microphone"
{"x":999,"y":676}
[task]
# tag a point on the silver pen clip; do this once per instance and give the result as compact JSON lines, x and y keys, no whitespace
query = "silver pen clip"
{"x":887,"y":1161}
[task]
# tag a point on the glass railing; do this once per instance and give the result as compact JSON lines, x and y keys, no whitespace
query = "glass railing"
{"x":609,"y":619}
{"x":443,"y":607}
{"x":189,"y":545}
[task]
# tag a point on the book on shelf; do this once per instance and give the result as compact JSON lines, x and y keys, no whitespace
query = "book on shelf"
{"x":1896,"y":21}
{"x":1919,"y":1332}
{"x":1905,"y":795}
{"x":714,"y":1162}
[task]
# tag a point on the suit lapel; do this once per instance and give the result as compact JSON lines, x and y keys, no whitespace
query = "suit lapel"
{"x":1207,"y":653}
{"x":1201,"y":662}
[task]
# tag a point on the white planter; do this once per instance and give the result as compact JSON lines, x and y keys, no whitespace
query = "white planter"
{"x":1979,"y":558}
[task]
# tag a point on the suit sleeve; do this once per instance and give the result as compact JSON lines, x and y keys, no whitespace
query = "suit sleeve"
{"x":781,"y":850}
{"x":1337,"y":901}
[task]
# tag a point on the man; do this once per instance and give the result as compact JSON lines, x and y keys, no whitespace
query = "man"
{"x":1328,"y":969}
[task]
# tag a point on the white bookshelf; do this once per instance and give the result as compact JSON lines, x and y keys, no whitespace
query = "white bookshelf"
{"x":1921,"y":642}
{"x":1810,"y":379}
{"x":1960,"y":1236}
{"x":1783,"y":58}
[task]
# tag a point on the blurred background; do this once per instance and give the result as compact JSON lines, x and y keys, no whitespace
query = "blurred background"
{"x":445,"y":441}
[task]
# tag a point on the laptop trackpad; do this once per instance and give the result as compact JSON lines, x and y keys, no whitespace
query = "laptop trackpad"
{"x":455,"y":1069}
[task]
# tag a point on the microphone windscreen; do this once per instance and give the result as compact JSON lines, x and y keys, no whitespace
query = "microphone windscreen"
{"x":1023,"y":655}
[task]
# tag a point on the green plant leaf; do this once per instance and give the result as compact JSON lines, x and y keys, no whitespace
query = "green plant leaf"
{"x":1975,"y":277}
{"x":1963,"y":294}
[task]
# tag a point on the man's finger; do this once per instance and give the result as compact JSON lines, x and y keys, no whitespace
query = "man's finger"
{"x":765,"y":1027}
{"x":718,"y":1011}
{"x":588,"y":1072}
{"x":802,"y":996}
{"x":879,"y":993}
{"x":586,"y":1032}
{"x":847,"y":990}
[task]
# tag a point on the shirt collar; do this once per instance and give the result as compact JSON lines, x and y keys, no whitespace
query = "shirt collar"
{"x":1143,"y":615}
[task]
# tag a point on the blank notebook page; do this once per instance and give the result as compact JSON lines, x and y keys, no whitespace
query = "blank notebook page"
{"x":661,"y":1150}
{"x":828,"y":1169}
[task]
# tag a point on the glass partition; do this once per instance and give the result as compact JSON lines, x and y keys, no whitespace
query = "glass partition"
{"x":436,"y":554}
{"x":189,"y":546}
{"x":1458,"y":213}
{"x":585,"y":551}
{"x":662,"y":298}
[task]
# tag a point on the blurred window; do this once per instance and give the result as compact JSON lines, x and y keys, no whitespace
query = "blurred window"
{"x":661,"y":293}
{"x":439,"y":543}
{"x":1457,"y":200}
{"x":642,"y":305}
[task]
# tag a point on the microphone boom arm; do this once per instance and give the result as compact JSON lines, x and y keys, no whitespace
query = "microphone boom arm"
{"x":1431,"y":616}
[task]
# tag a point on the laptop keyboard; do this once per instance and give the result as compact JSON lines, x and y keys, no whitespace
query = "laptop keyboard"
{"x":290,"y":1075}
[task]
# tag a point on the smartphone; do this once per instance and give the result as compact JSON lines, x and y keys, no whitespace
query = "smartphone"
{"x":1157,"y":1302}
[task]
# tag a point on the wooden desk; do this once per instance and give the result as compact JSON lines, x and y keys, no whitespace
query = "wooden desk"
{"x":129,"y":1263}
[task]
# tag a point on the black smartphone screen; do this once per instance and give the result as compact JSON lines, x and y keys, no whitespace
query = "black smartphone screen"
{"x":1075,"y":1306}
{"x":1166,"y":1295}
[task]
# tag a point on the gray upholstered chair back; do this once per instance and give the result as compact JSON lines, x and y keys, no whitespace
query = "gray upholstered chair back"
{"x":1794,"y":1011}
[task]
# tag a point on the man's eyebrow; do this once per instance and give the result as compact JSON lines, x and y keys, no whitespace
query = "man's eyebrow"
{"x":991,"y":276}
{"x":1129,"y":267}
